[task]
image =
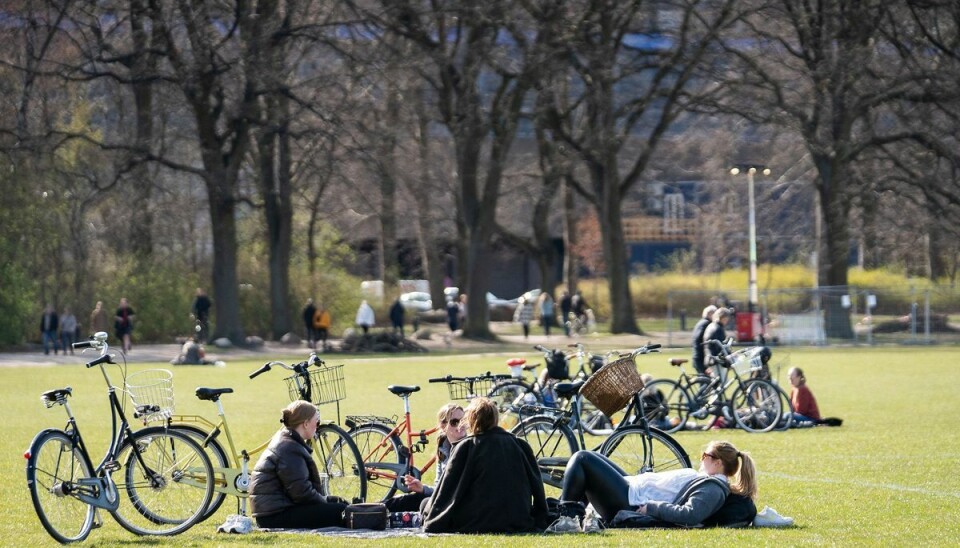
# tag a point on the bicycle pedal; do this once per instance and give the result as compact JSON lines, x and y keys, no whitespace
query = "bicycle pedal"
{"x":111,"y":466}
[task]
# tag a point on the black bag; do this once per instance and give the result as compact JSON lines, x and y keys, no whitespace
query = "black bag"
{"x":557,"y":366}
{"x":368,"y":515}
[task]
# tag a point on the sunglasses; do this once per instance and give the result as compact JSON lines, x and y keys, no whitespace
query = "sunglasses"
{"x":453,"y":422}
{"x":705,"y":455}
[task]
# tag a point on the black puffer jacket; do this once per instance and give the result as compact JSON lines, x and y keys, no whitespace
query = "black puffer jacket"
{"x":286,"y":475}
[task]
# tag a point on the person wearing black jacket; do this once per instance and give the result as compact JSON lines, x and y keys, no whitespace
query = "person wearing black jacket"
{"x":285,"y":484}
{"x":698,"y":331}
{"x":491,"y":483}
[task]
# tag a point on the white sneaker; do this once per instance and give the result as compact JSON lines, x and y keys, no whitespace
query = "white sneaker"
{"x":591,"y":521}
{"x":236,"y":524}
{"x":565,"y":524}
{"x":768,"y":517}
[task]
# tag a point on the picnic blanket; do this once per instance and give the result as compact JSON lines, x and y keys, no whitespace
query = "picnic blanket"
{"x":407,"y":532}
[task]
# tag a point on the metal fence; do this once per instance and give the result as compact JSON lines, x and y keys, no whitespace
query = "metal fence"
{"x":828,"y":315}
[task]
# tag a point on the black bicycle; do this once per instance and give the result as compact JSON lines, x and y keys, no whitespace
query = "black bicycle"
{"x":692,"y":401}
{"x":164,"y":478}
{"x":555,"y":434}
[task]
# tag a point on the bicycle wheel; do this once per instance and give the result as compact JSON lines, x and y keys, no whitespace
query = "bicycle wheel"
{"x":593,"y":420}
{"x":549,"y":438}
{"x":699,"y":413}
{"x":509,"y":396}
{"x":218,"y":460}
{"x":637,"y":449}
{"x":167,"y":482}
{"x":665,"y":405}
{"x":54,"y":469}
{"x":756,"y":406}
{"x":786,"y":410}
{"x":376,"y":446}
{"x":339,"y":463}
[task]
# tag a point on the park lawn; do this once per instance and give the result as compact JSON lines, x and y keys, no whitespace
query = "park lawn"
{"x":886,"y":477}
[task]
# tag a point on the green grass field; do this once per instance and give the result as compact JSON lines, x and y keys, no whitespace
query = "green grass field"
{"x":888,"y":476}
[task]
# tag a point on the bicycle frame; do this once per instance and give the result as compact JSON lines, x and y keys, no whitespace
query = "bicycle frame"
{"x":393,"y":471}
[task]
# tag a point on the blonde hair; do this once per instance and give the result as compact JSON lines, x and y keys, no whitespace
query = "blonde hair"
{"x":481,"y":415}
{"x":297,"y":413}
{"x":443,"y":415}
{"x":738,"y":466}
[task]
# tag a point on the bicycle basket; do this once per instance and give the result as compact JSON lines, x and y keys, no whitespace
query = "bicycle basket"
{"x":750,"y":359}
{"x":465,"y":390}
{"x":319,"y":386}
{"x":611,"y":388}
{"x":151,"y":392}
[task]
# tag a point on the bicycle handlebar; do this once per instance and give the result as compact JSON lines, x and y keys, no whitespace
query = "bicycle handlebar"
{"x":106,"y":358}
{"x":83,"y":344}
{"x":262,"y":370}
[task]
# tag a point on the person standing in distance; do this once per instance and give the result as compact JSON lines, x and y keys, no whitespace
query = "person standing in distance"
{"x":201,"y":311}
{"x":365,"y":318}
{"x":698,"y":331}
{"x":308,"y":313}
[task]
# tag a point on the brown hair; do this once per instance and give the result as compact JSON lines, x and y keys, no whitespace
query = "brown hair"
{"x":443,"y":415}
{"x":738,"y":466}
{"x":297,"y":413}
{"x":803,"y":379}
{"x":481,"y":415}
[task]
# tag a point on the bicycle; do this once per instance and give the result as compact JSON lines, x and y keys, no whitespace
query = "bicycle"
{"x":517,"y":390}
{"x":754,"y":404}
{"x":555,"y":434}
{"x":338,"y":459}
{"x":386,"y":458}
{"x":166,"y":476}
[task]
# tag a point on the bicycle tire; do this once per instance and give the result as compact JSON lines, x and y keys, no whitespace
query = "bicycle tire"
{"x":376,"y":444}
{"x":665,"y":404}
{"x":508,"y":396}
{"x":548,"y":437}
{"x":786,"y":410}
{"x":173,"y":492}
{"x":593,"y":420}
{"x":218,"y":459}
{"x":638,"y":449}
{"x":756,"y":406}
{"x":55,"y":464}
{"x":339,"y":463}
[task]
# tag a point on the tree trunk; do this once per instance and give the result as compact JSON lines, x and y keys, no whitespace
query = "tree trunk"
{"x":226,"y":300}
{"x":837,"y":242}
{"x":615,"y":256}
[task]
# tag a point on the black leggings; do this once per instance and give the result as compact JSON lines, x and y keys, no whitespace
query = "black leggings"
{"x":305,"y":516}
{"x":592,"y":477}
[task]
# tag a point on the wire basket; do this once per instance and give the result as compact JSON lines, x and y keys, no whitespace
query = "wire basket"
{"x":151,"y":392}
{"x":747,"y":360}
{"x":319,"y":386}
{"x":611,"y":388}
{"x":470,"y":388}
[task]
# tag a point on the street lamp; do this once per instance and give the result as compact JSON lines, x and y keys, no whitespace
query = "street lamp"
{"x":751,"y":169}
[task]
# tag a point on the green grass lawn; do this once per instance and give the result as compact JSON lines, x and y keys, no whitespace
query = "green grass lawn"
{"x":888,"y":476}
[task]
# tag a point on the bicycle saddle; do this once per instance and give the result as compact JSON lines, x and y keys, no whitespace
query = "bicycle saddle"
{"x":567,"y":389}
{"x":403,"y":390}
{"x":678,"y":361}
{"x":58,"y":394}
{"x":212,"y":394}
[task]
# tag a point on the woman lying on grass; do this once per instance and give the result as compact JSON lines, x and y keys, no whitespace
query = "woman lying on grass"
{"x":680,"y":497}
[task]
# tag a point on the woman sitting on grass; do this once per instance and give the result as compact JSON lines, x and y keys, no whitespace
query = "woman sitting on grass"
{"x":680,"y":497}
{"x":805,"y":410}
{"x":491,"y":483}
{"x":285,"y":484}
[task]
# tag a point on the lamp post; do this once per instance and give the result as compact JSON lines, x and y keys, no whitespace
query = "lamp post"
{"x":751,"y":169}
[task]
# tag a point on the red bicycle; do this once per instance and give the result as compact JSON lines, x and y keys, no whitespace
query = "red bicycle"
{"x":386,"y":458}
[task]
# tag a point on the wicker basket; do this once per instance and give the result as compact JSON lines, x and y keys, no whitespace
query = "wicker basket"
{"x":319,"y":386}
{"x":611,"y":388}
{"x":151,"y":391}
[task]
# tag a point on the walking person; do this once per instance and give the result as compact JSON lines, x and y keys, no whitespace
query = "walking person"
{"x":68,"y":330}
{"x":309,"y":311}
{"x":201,"y":311}
{"x":123,"y":324}
{"x":524,"y":315}
{"x":365,"y":317}
{"x":321,"y":326}
{"x":546,"y":306}
{"x":49,"y":322}
{"x":98,"y":319}
{"x":565,"y":307}
{"x":396,"y":317}
{"x":714,"y":332}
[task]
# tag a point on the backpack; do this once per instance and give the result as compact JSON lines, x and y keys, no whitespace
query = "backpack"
{"x":557,"y":366}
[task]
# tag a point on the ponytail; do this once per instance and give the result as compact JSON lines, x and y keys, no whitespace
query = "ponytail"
{"x":745,"y":481}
